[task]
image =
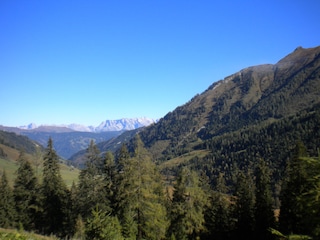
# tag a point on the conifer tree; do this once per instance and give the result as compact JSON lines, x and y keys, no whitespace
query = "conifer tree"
{"x":188,"y":206}
{"x":294,"y":183}
{"x":310,"y":198}
{"x":102,"y":226}
{"x":26,"y":195}
{"x":110,"y":177}
{"x":94,"y":160}
{"x":218,"y":220}
{"x":244,"y":206}
{"x":54,"y":193}
{"x":140,"y":195}
{"x":123,"y":211}
{"x":264,"y":215}
{"x":92,"y":187}
{"x":7,"y":209}
{"x":299,"y":212}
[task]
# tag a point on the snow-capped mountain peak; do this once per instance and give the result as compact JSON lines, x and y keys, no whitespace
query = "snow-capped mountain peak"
{"x":107,"y":125}
{"x":29,"y":126}
{"x":124,"y":124}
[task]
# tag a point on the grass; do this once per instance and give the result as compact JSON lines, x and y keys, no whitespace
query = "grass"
{"x":183,"y":159}
{"x":68,"y":174}
{"x":10,"y":166}
{"x":11,"y":234}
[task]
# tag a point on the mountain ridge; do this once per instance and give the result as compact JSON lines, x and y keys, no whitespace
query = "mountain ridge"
{"x":72,"y":138}
{"x":105,"y":126}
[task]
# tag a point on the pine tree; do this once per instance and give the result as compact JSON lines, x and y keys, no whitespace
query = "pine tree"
{"x":310,"y":198}
{"x":188,"y":205}
{"x":264,"y":215}
{"x":218,"y":220}
{"x":94,"y":160}
{"x":140,"y":195}
{"x":110,"y":177}
{"x":102,"y":226}
{"x":54,"y":193}
{"x":26,"y":195}
{"x":7,"y":209}
{"x":244,"y":206}
{"x":79,"y":232}
{"x":92,"y":187}
{"x":294,"y":183}
{"x":123,"y":211}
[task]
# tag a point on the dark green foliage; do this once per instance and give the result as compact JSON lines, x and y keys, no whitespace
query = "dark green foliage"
{"x":219,"y":221}
{"x":94,"y":160}
{"x":18,"y":142}
{"x":7,"y":209}
{"x":54,"y":193}
{"x":292,"y":188}
{"x":26,"y":195}
{"x":131,"y":203}
{"x":188,"y":206}
{"x":264,"y":214}
{"x":140,"y":195}
{"x":309,"y":199}
{"x":299,"y":212}
{"x":102,"y":226}
{"x":110,"y":172}
{"x":273,"y":142}
{"x":92,"y":189}
{"x":244,"y":206}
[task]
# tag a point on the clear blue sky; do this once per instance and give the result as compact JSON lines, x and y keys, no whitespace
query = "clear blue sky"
{"x":83,"y":62}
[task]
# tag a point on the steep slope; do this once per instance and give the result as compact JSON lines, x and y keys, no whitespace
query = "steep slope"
{"x":78,"y":159}
{"x":258,"y":112}
{"x":252,"y":96}
{"x":15,"y":141}
{"x":10,"y":146}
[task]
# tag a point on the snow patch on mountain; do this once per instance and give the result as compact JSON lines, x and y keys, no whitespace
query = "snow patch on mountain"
{"x":124,"y":124}
{"x":80,"y":128}
{"x":29,"y":126}
{"x":107,"y":125}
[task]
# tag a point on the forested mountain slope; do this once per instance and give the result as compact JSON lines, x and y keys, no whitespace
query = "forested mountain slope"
{"x":250,"y":96}
{"x":258,"y":112}
{"x":18,"y":142}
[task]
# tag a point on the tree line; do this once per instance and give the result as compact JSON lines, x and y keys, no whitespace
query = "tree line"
{"x":124,"y":196}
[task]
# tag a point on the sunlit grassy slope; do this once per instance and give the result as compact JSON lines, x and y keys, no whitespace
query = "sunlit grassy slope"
{"x":8,"y":234}
{"x":10,"y":166}
{"x":183,"y":159}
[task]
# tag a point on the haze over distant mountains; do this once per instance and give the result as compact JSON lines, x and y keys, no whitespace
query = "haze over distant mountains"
{"x":123,"y":124}
{"x":69,"y":139}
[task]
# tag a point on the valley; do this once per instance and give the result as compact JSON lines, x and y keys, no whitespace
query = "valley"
{"x":221,"y":164}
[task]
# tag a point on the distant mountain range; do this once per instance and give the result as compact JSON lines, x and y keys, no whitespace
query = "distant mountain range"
{"x":105,"y":126}
{"x":72,"y":138}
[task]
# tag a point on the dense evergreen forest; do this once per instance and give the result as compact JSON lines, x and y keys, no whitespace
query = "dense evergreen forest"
{"x":124,"y":196}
